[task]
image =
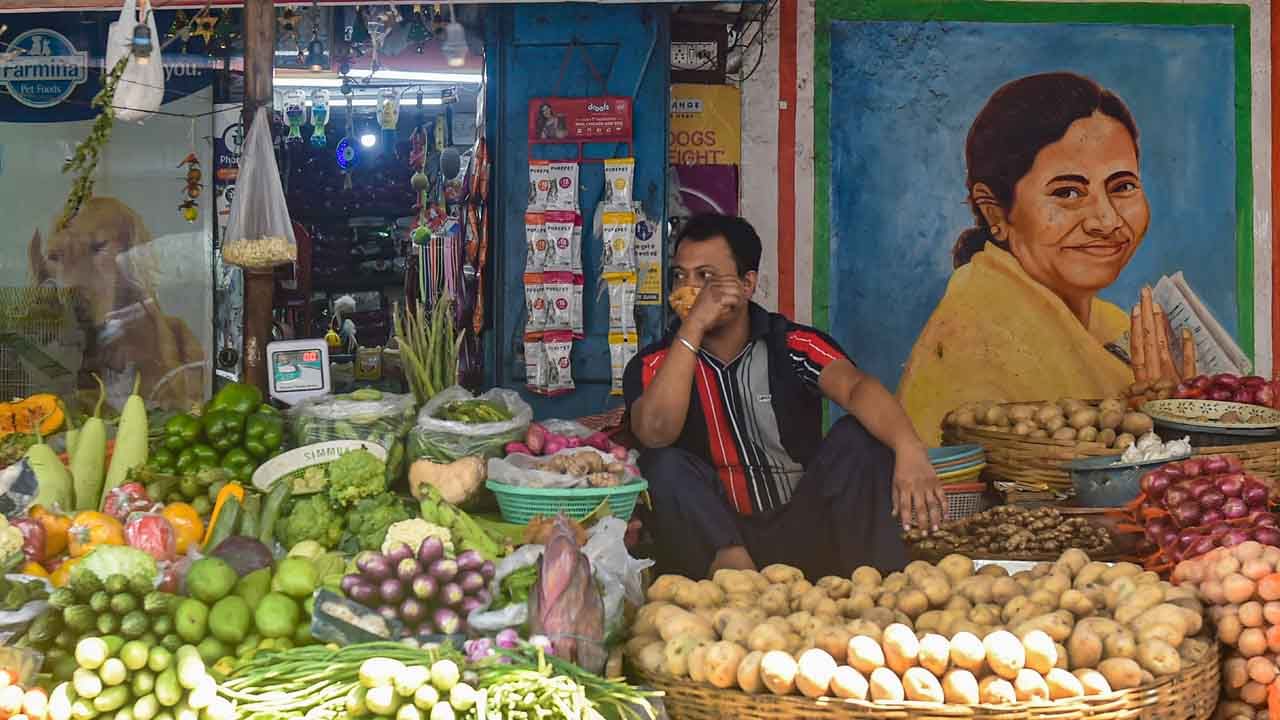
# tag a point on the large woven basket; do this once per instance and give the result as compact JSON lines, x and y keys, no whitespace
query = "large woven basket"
{"x":1189,"y":695}
{"x":1030,"y":464}
{"x":1261,"y":459}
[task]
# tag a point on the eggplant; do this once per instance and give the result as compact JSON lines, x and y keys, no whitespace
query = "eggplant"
{"x":431,"y":550}
{"x":424,"y":587}
{"x":391,"y":591}
{"x":488,"y":570}
{"x":469,"y":560}
{"x":444,"y":570}
{"x":375,"y":566}
{"x":446,"y":621}
{"x":407,"y":569}
{"x":451,"y":594}
{"x":348,"y":582}
{"x":470,"y":604}
{"x":471,"y":582}
{"x":413,"y":611}
{"x":425,"y":630}
{"x":399,"y":551}
{"x":485,"y":597}
{"x":364,"y":593}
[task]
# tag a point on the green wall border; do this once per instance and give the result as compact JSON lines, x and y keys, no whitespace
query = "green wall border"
{"x":1155,"y":13}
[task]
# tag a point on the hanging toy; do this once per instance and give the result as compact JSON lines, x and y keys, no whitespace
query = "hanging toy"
{"x":319,"y":117}
{"x":295,"y":113}
{"x":287,"y":33}
{"x":389,"y":115}
{"x":189,"y":208}
{"x":418,"y":32}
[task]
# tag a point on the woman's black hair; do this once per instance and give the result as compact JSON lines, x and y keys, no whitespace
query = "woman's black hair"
{"x":1019,"y":120}
{"x":743,"y":240}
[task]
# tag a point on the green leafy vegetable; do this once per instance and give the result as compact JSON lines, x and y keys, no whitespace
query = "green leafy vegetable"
{"x":311,"y":518}
{"x":356,"y":475}
{"x":107,"y":560}
{"x":367,"y":524}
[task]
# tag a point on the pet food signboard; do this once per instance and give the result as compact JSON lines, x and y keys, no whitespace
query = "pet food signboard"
{"x":124,"y":288}
{"x":578,"y":120}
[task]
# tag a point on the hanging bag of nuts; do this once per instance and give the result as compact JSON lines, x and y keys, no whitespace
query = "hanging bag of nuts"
{"x":259,"y":235}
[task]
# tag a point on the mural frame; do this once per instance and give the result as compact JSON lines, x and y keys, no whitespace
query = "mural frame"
{"x":1253,"y":226}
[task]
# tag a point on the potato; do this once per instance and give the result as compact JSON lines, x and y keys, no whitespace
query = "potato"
{"x":1159,"y":657}
{"x":797,"y":590}
{"x":776,"y":601}
{"x":1005,"y":589}
{"x":913,"y":603}
{"x":1090,"y":574}
{"x":1053,"y":425}
{"x":1057,"y":625}
{"x":1161,"y":631}
{"x":937,"y":589}
{"x":867,"y":577}
{"x":665,"y":587}
{"x":676,"y":654}
{"x":929,"y":622}
{"x":674,"y":625}
{"x":778,"y":671}
{"x":1168,"y":614}
{"x":1076,"y":603}
{"x":1072,"y":561}
{"x":1139,"y":601}
{"x":721,"y":663}
{"x":1084,"y":647}
{"x":989,"y":614}
{"x":1121,"y":673}
{"x":1017,"y":607}
{"x":1044,"y":597}
{"x":704,"y":594}
{"x":864,"y":627}
{"x":995,"y":690}
{"x":886,"y":686}
{"x":1042,"y":655}
{"x":968,"y":653}
{"x":1106,"y":437}
{"x":638,"y":643}
{"x":778,"y":623}
{"x":742,"y":601}
{"x":1047,"y":412}
{"x":837,"y":588}
{"x":977,"y":588}
{"x":1083,"y":418}
{"x":652,"y":657}
{"x":698,"y":663}
{"x":803,"y":623}
{"x":1029,"y":686}
{"x":765,"y":638}
{"x":1064,"y":433}
{"x":782,"y":574}
{"x":1039,"y":434}
{"x":814,"y":672}
{"x":1092,"y":682}
{"x":956,"y":567}
{"x":1136,"y":424}
{"x":935,"y":654}
{"x":739,"y":631}
{"x":748,"y":674}
{"x":848,"y":683}
{"x":1193,"y":650}
{"x":834,"y":640}
{"x":1062,"y":685}
{"x":901,"y":648}
{"x":855,"y":604}
{"x":1120,"y":644}
{"x":920,"y":685}
{"x":880,"y":616}
{"x":1005,"y":654}
{"x":733,"y":581}
{"x":864,"y":654}
{"x":888,"y":600}
{"x":810,"y":600}
{"x":960,"y":603}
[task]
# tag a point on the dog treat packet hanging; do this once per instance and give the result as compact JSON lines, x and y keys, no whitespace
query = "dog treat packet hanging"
{"x":535,"y":364}
{"x":535,"y":303}
{"x":622,"y":347}
{"x":539,"y":184}
{"x":558,"y":347}
{"x":535,"y":236}
{"x":579,"y":283}
{"x":559,"y":239}
{"x":622,"y":302}
{"x":562,"y":192}
{"x":259,"y":234}
{"x":618,"y":238}
{"x":577,"y":243}
{"x":557,"y":292}
{"x":619,"y":179}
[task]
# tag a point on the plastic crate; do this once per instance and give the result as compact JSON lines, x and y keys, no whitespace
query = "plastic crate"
{"x":519,"y":505}
{"x":964,"y":500}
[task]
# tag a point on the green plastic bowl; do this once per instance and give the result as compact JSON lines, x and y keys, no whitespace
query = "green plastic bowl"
{"x":519,"y":505}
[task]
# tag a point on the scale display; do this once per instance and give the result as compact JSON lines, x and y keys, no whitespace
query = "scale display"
{"x":298,"y":369}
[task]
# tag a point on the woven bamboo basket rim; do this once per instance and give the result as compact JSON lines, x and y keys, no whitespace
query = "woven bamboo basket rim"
{"x":1189,"y":695}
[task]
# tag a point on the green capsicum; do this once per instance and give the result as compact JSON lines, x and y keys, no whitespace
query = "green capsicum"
{"x":239,"y":463}
{"x":181,"y":432}
{"x":241,"y":398}
{"x":196,"y":458}
{"x":263,"y":435}
{"x":224,"y":429}
{"x":163,"y":459}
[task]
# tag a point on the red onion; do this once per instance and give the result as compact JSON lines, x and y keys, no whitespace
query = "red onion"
{"x":1234,"y":508}
{"x":1253,"y":381}
{"x":1189,"y":536}
{"x":1234,"y":464}
{"x":1200,"y":486}
{"x":1155,"y":483}
{"x":1212,"y":499}
{"x":1220,"y":395}
{"x":1176,"y":495}
{"x":1244,"y":395}
{"x":1187,"y":514}
{"x":1230,"y":484}
{"x":1234,"y":537}
{"x":1254,"y":494}
{"x":1157,"y":528}
{"x":1215,"y":464}
{"x":1226,"y":380}
{"x":1200,"y":547}
{"x":1266,"y":520}
{"x":1267,"y":536}
{"x":1212,"y":517}
{"x":1192,"y":467}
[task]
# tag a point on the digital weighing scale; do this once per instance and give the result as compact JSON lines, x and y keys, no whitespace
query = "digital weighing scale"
{"x":298,"y":369}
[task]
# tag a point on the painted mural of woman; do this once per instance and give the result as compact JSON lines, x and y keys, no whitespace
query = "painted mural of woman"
{"x":1059,"y":210}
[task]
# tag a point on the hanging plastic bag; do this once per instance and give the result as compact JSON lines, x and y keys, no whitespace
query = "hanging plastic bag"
{"x":141,"y":88}
{"x":259,"y":234}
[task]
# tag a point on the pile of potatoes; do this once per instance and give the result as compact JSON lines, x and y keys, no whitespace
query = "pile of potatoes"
{"x":1108,"y":424}
{"x":941,"y":633}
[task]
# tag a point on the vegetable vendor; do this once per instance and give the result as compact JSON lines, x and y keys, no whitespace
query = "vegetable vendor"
{"x":728,"y":407}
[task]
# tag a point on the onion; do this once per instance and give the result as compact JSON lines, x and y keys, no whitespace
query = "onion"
{"x":1155,"y":483}
{"x":1266,"y":519}
{"x":507,"y":639}
{"x":1200,"y":486}
{"x":1215,"y":464}
{"x":1212,"y":499}
{"x":1230,"y":484}
{"x":1156,"y":528}
{"x":1188,"y":536}
{"x":1173,"y":470}
{"x":1187,"y":514}
{"x":1234,"y":537}
{"x":1176,"y":495}
{"x":1254,"y":494}
{"x":1234,"y":508}
{"x":1267,"y":536}
{"x":1234,"y":465}
{"x":1192,"y":467}
{"x":1168,"y":539}
{"x":1200,"y":547}
{"x":1212,"y":517}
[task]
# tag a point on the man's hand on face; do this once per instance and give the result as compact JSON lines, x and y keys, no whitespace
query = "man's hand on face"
{"x":917,"y":493}
{"x":719,"y":299}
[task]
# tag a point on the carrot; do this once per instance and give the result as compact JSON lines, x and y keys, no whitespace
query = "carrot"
{"x":1269,"y":587}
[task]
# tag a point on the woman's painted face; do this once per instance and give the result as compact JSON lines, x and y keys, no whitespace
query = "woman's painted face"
{"x":1080,"y":212}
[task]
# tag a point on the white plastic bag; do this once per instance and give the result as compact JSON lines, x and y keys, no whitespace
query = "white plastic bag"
{"x":444,"y":441}
{"x":141,"y":88}
{"x":616,"y":573}
{"x":259,"y":234}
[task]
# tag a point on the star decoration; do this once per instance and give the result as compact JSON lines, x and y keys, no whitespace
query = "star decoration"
{"x":206,"y":26}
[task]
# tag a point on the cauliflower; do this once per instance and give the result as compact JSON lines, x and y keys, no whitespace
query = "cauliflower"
{"x":413,"y":532}
{"x":310,"y":519}
{"x":10,"y":545}
{"x":356,"y":475}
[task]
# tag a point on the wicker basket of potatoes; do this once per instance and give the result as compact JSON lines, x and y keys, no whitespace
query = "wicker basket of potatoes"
{"x":1028,"y":444}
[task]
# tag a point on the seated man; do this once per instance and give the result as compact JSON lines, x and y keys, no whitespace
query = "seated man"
{"x":729,"y":410}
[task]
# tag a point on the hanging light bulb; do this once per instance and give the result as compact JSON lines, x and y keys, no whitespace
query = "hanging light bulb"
{"x":315,"y":48}
{"x":141,"y":43}
{"x":455,"y":42}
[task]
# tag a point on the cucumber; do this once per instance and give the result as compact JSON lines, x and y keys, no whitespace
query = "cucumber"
{"x":250,"y":519}
{"x":190,"y":667}
{"x":228,"y":521}
{"x":271,"y":511}
{"x":111,"y":699}
{"x":168,"y":690}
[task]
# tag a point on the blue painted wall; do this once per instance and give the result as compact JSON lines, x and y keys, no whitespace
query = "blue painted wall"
{"x":903,"y":95}
{"x":629,"y":48}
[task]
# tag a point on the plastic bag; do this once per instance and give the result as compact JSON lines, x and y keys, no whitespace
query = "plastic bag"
{"x":445,"y":441}
{"x":364,"y":415}
{"x":18,"y":488}
{"x":259,"y":234}
{"x":125,"y":500}
{"x":141,"y":87}
{"x":617,"y":573}
{"x":523,"y":470}
{"x":13,"y":623}
{"x":152,"y":534}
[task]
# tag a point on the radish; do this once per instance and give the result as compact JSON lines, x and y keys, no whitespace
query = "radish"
{"x":598,"y":440}
{"x":517,"y":448}
{"x":573,"y":442}
{"x":619,"y":453}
